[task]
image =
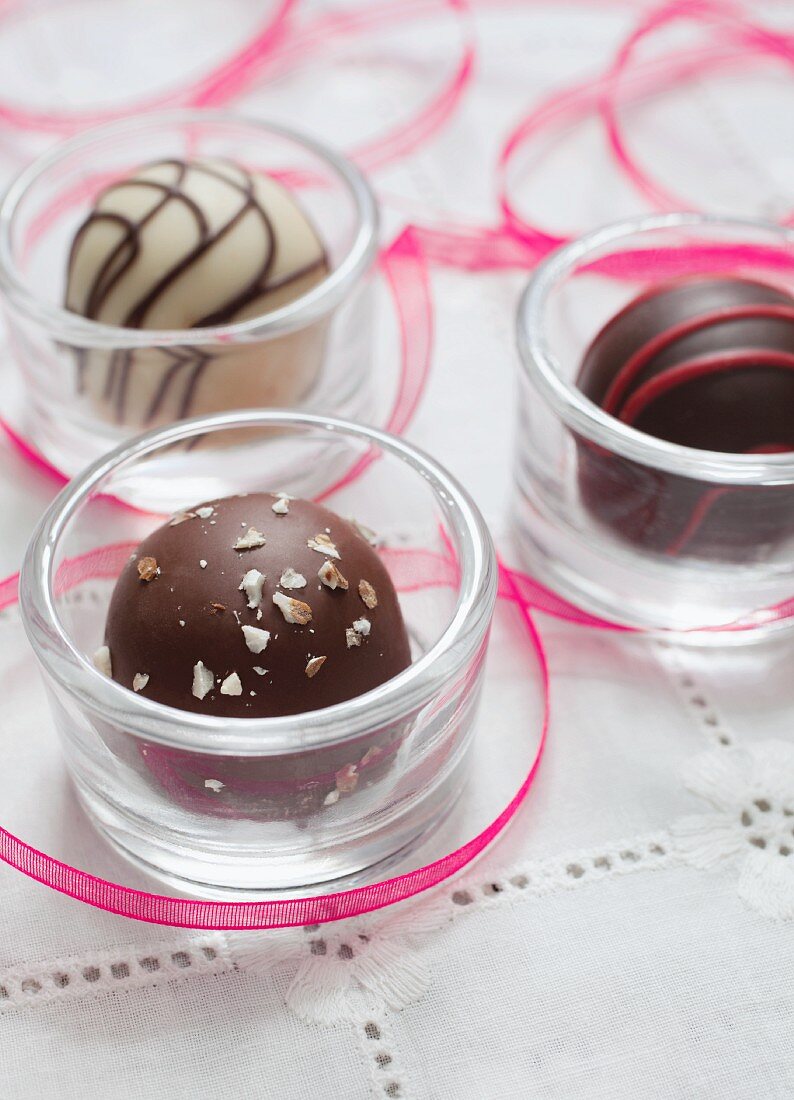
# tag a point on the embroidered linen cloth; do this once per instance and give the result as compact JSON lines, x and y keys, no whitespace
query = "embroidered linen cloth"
{"x":632,"y":935}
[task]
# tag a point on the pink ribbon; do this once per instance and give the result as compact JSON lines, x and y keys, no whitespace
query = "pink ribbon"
{"x":281,"y":45}
{"x":213,"y":89}
{"x":729,"y":24}
{"x":515,"y":587}
{"x":514,"y":242}
{"x":405,"y":272}
{"x":314,"y":909}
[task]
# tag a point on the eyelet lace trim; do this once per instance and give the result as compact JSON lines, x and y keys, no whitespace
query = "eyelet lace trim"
{"x":122,"y":969}
{"x":706,"y":717}
{"x":567,"y":871}
{"x":378,"y":1050}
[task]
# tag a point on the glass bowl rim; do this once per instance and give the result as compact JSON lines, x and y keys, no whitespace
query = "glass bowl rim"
{"x":583,"y":416}
{"x":302,"y":311}
{"x":467,"y":626}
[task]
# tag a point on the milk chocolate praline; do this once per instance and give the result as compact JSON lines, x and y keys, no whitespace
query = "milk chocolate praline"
{"x":190,"y":615}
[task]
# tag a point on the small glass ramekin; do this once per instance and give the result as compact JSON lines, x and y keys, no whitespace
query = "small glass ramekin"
{"x":614,"y":518}
{"x":216,"y":804}
{"x":313,"y":353}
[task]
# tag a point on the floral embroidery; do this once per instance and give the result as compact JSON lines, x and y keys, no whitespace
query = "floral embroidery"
{"x":349,"y":970}
{"x":752,"y":792}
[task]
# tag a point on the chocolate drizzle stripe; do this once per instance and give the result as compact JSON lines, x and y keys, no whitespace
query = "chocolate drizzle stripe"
{"x":633,"y":366}
{"x":187,"y":363}
{"x":207,"y":241}
{"x":699,"y":367}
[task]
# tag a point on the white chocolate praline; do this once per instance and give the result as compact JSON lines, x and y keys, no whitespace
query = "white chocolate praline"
{"x":185,"y":245}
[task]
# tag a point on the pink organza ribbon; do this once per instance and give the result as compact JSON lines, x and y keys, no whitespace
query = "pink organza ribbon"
{"x":213,"y":89}
{"x":315,"y":909}
{"x":512,"y":243}
{"x":281,"y":45}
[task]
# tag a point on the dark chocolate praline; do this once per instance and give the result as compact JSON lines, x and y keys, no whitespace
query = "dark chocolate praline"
{"x":191,"y":612}
{"x":706,"y":363}
{"x":718,"y":352}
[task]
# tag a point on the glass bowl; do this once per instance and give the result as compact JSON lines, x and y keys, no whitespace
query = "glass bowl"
{"x":643,"y":531}
{"x":252,"y":805}
{"x":80,"y":387}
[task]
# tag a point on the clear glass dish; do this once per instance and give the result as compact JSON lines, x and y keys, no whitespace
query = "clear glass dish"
{"x":314,"y":352}
{"x":142,"y":769}
{"x":719,"y":545}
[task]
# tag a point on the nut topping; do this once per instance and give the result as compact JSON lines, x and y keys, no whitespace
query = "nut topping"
{"x":102,"y":661}
{"x":331,"y":577}
{"x":203,"y":680}
{"x":251,"y":584}
{"x":255,"y":638}
{"x":368,"y":594}
{"x":291,"y":579}
{"x":323,"y":545}
{"x":314,"y":666}
{"x":231,"y":685}
{"x":347,"y":779}
{"x":294,"y":611}
{"x":148,"y":569}
{"x":181,"y":517}
{"x":250,"y":540}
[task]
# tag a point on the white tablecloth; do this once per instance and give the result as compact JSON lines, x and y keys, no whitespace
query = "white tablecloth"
{"x":631,"y":937}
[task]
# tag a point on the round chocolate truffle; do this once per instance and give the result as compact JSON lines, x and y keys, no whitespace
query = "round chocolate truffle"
{"x":705,"y":363}
{"x":255,"y":606}
{"x":190,"y":244}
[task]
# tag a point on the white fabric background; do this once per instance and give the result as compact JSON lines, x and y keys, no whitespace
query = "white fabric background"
{"x":590,"y":953}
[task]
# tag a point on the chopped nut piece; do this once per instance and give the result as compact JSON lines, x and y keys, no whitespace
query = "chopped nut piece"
{"x":314,"y":665}
{"x":203,"y":563}
{"x":252,"y":584}
{"x":260,"y":671}
{"x":291,"y":579}
{"x":255,"y":638}
{"x":182,"y":622}
{"x":347,"y":779}
{"x":203,"y":680}
{"x":281,"y":506}
{"x":331,"y":798}
{"x":206,"y":512}
{"x":331,"y":577}
{"x":294,"y":611}
{"x":140,"y":680}
{"x":148,"y":569}
{"x":102,"y":661}
{"x":363,"y":627}
{"x":352,"y":638}
{"x":373,"y":753}
{"x":214,"y":785}
{"x":217,"y":609}
{"x":250,"y":540}
{"x":181,"y":517}
{"x":368,"y":594}
{"x":366,"y":532}
{"x":231,"y":685}
{"x":323,"y":545}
